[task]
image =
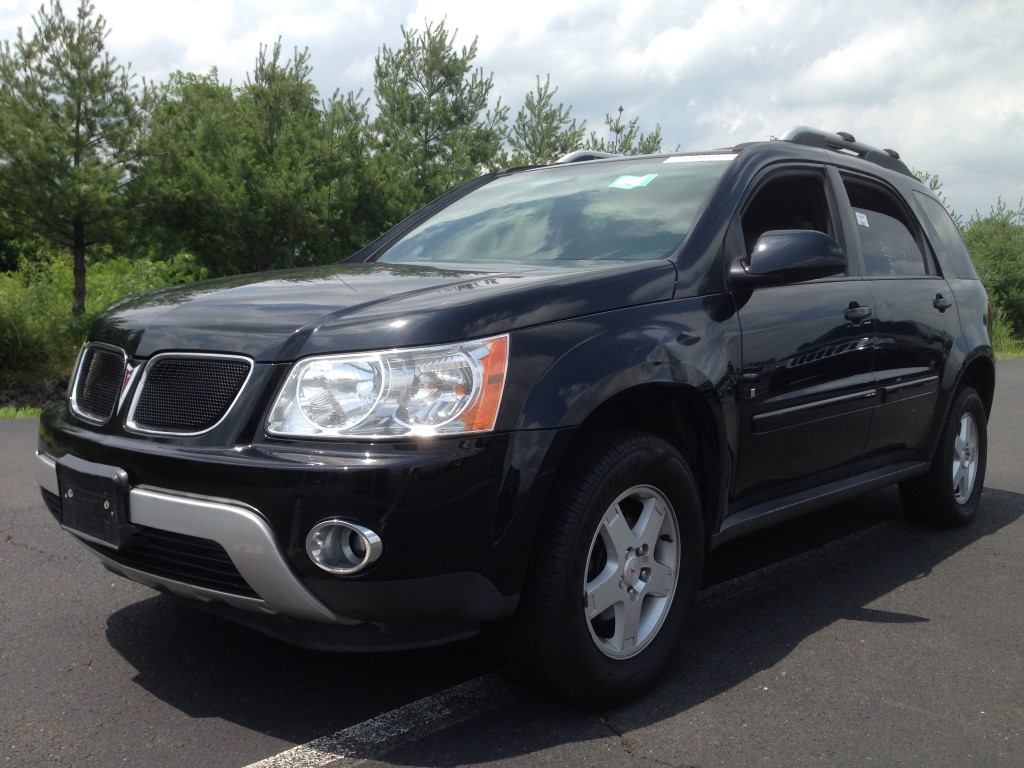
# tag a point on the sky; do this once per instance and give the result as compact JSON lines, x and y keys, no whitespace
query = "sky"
{"x":940,"y":81}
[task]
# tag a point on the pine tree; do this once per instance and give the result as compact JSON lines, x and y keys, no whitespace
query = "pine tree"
{"x":543,"y":131}
{"x":245,"y":178}
{"x":433,"y":130}
{"x":70,"y":120}
{"x":625,"y":138}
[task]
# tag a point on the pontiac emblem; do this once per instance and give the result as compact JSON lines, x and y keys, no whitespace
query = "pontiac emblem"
{"x":126,"y":383}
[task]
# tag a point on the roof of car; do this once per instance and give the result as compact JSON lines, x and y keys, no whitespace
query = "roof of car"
{"x":842,"y":143}
{"x":845,"y":143}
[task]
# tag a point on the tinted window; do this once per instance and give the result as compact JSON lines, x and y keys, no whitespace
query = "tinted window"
{"x":577,"y":213}
{"x":789,"y":200}
{"x":886,"y":231}
{"x":951,"y":244}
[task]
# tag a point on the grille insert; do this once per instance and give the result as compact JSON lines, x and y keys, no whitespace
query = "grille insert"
{"x":187,"y":395}
{"x":98,"y":382}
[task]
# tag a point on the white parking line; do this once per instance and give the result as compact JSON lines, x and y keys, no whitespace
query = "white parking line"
{"x":412,"y":721}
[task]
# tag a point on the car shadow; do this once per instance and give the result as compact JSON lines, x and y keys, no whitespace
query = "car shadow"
{"x":207,"y":666}
{"x":763,"y":596}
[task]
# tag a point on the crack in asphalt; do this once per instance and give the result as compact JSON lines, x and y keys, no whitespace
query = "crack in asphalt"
{"x":9,"y":539}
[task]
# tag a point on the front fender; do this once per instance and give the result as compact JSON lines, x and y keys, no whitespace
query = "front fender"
{"x":563,"y":372}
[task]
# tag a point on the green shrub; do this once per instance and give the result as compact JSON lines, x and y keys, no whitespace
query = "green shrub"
{"x":1004,"y":343}
{"x":996,"y":243}
{"x":37,"y":332}
{"x":39,"y":337}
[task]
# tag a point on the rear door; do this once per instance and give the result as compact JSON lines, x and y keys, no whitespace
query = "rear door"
{"x":916,"y":320}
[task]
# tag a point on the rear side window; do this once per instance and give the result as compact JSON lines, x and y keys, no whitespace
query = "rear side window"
{"x":953,"y":253}
{"x":889,"y":238}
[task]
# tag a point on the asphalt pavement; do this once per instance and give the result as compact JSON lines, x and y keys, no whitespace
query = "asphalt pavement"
{"x":847,"y":638}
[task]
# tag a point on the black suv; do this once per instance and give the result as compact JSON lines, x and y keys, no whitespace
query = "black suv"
{"x":538,"y":401}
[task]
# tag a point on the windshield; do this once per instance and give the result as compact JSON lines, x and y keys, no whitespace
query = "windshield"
{"x":626,"y":210}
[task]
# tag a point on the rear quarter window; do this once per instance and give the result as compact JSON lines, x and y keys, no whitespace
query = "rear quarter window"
{"x":952,"y":253}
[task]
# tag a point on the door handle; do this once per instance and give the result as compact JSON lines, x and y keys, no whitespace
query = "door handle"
{"x":941,"y":303}
{"x":855,"y":313}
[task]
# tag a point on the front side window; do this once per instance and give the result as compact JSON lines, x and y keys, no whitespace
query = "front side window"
{"x":792,"y":199}
{"x":574,"y":214}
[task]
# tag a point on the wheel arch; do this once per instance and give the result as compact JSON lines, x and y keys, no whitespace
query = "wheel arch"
{"x":980,"y":374}
{"x":681,"y":414}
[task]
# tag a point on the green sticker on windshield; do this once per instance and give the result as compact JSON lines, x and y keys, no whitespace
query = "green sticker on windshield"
{"x":632,"y":182}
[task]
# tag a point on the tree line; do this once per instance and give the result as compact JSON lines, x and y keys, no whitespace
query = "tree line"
{"x":261,"y":175}
{"x":154,"y":183}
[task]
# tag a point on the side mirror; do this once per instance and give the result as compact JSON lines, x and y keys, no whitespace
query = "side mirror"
{"x":788,"y":256}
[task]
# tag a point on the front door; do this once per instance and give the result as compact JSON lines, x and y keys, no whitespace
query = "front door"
{"x":806,"y":383}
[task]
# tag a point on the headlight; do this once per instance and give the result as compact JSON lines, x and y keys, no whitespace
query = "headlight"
{"x":450,"y":389}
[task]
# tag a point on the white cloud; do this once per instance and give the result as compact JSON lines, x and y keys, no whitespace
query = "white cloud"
{"x":939,"y":80}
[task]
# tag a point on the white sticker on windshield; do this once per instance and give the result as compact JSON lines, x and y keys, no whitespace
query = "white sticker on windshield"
{"x":862,"y":219}
{"x":632,"y":182}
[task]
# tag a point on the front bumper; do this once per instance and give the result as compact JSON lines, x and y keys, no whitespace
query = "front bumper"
{"x":240,"y":530}
{"x":456,"y":517}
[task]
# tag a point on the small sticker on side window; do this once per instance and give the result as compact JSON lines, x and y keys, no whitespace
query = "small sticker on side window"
{"x":632,"y":182}
{"x":862,"y":219}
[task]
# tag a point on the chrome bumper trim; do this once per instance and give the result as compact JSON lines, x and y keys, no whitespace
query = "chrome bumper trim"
{"x":246,"y":537}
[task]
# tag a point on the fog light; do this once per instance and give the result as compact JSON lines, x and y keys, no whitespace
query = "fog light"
{"x":339,"y":546}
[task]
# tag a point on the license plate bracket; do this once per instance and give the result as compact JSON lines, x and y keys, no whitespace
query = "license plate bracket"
{"x":94,"y":501}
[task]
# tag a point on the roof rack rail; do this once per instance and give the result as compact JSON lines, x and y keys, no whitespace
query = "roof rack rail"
{"x":847,"y":144}
{"x":583,"y":154}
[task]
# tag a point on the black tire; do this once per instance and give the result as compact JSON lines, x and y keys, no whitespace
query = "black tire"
{"x":621,"y":554}
{"x":949,"y":494}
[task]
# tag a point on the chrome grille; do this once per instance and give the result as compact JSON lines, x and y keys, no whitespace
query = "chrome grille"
{"x":187,"y":394}
{"x":98,"y":382}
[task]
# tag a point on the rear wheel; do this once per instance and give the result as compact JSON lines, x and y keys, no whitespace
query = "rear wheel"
{"x":951,"y":491}
{"x":614,"y":575}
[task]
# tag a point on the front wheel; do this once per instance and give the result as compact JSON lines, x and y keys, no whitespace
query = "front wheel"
{"x":614,"y":575}
{"x":951,"y":491}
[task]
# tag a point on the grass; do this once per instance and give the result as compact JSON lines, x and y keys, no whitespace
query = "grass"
{"x":11,"y":412}
{"x":1004,"y":343}
{"x":1009,"y":351}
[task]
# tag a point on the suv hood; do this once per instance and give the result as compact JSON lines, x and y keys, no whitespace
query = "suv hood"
{"x":281,"y":316}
